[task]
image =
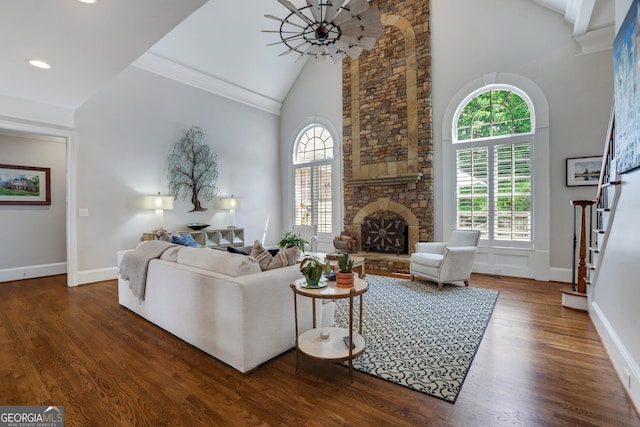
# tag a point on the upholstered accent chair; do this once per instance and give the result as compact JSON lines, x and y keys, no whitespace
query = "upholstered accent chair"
{"x":308,"y":233}
{"x":444,"y":262}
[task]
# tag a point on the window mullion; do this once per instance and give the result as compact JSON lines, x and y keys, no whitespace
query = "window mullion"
{"x":492,"y":187}
{"x":314,"y":198}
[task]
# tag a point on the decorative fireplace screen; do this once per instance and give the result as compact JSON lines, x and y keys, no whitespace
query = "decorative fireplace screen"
{"x":384,"y":231}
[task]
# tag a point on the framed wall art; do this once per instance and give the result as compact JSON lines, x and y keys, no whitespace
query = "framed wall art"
{"x":626,"y":92}
{"x":583,"y":171}
{"x":25,"y":185}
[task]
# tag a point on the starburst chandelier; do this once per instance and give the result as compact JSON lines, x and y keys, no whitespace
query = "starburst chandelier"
{"x":333,"y":28}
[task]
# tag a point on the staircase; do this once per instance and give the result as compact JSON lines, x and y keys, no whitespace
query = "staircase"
{"x":599,"y":224}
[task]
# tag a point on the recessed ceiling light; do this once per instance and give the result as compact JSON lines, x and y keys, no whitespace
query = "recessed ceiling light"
{"x":39,"y":64}
{"x":87,"y":1}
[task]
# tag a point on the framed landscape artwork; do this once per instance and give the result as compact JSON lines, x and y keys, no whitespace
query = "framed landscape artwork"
{"x":25,"y":185}
{"x":583,"y":171}
{"x":626,"y":91}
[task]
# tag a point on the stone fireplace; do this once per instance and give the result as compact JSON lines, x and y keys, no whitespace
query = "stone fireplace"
{"x":387,"y":142}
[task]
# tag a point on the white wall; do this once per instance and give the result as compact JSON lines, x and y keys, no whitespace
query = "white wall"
{"x":34,"y":236}
{"x":316,"y":96}
{"x":124,"y":135}
{"x":614,"y":307}
{"x":523,"y":38}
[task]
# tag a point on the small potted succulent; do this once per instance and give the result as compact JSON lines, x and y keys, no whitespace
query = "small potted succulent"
{"x":312,"y":269}
{"x":345,"y":275}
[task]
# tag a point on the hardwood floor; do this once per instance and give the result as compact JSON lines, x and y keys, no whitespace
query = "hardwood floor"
{"x":539,"y":364}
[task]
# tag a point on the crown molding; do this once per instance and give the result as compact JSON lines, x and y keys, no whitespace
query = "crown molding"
{"x":596,"y":40}
{"x":183,"y":74}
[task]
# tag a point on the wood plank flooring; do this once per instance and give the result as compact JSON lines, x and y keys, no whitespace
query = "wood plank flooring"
{"x":539,"y":364}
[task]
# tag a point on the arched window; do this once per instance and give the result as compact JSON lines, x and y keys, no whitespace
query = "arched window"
{"x":313,"y":157}
{"x":493,"y":153}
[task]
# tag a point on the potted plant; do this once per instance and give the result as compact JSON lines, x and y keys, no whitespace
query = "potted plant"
{"x":289,"y":240}
{"x":345,"y":275}
{"x":312,"y":268}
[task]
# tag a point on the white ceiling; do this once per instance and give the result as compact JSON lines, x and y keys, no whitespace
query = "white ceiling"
{"x":219,"y":47}
{"x":86,"y":45}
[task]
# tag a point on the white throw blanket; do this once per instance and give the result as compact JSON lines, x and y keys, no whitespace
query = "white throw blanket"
{"x":134,"y":264}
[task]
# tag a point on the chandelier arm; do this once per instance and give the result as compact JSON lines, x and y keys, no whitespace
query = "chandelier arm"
{"x":316,"y":9}
{"x":279,"y":31}
{"x":333,"y":10}
{"x":284,"y":21}
{"x":294,"y":38}
{"x":292,"y":49}
{"x":292,"y":8}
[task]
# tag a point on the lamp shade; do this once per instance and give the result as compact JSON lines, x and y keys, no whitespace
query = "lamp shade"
{"x":229,"y":203}
{"x":158,"y":202}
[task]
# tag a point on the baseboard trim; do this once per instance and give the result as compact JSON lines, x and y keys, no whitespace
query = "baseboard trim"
{"x":32,"y":271}
{"x":627,"y":369}
{"x":502,"y":270}
{"x":560,"y":275}
{"x":97,"y":275}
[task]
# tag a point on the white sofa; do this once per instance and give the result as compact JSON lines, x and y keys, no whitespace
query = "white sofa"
{"x":243,"y":321}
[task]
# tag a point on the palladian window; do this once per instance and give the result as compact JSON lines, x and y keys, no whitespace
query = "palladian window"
{"x":312,"y":162}
{"x":493,"y":145}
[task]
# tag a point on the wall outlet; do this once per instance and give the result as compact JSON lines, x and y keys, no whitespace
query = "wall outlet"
{"x":83,"y":212}
{"x":497,"y":271}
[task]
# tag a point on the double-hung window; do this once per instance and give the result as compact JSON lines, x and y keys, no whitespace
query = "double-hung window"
{"x":313,"y":159}
{"x":493,"y":154}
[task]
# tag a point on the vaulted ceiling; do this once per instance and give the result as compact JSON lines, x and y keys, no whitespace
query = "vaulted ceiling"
{"x":216,"y":45}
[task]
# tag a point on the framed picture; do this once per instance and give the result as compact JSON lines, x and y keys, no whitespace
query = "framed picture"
{"x":583,"y":171}
{"x":626,"y":90}
{"x":25,"y":185}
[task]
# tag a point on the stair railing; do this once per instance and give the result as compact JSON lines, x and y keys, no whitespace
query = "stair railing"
{"x":604,"y":204}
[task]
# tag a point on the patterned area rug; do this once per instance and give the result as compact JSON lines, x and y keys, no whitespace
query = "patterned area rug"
{"x":418,"y":336}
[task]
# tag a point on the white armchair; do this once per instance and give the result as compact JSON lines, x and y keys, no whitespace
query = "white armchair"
{"x":444,"y":262}
{"x":308,"y":233}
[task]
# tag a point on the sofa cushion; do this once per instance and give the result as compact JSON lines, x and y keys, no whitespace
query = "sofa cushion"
{"x":218,"y":261}
{"x":284,"y":257}
{"x":430,"y":260}
{"x":261,"y":254}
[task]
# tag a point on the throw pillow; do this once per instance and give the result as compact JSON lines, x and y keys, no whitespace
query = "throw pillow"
{"x":184,"y":239}
{"x":261,"y":254}
{"x":236,"y":251}
{"x":163,"y":235}
{"x":284,"y":258}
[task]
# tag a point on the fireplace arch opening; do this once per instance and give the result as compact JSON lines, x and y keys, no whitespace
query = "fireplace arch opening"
{"x":401,"y":211}
{"x":385,"y":231}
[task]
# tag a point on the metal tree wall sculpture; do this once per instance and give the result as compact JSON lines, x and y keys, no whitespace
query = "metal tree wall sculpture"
{"x":193,"y":168}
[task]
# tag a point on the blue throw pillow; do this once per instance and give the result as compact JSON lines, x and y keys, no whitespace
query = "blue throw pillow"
{"x":184,"y":239}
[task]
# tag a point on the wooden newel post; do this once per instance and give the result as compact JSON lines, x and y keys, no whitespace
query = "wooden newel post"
{"x":582,"y":265}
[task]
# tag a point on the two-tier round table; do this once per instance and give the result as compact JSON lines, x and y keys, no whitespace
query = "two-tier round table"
{"x":328,"y":343}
